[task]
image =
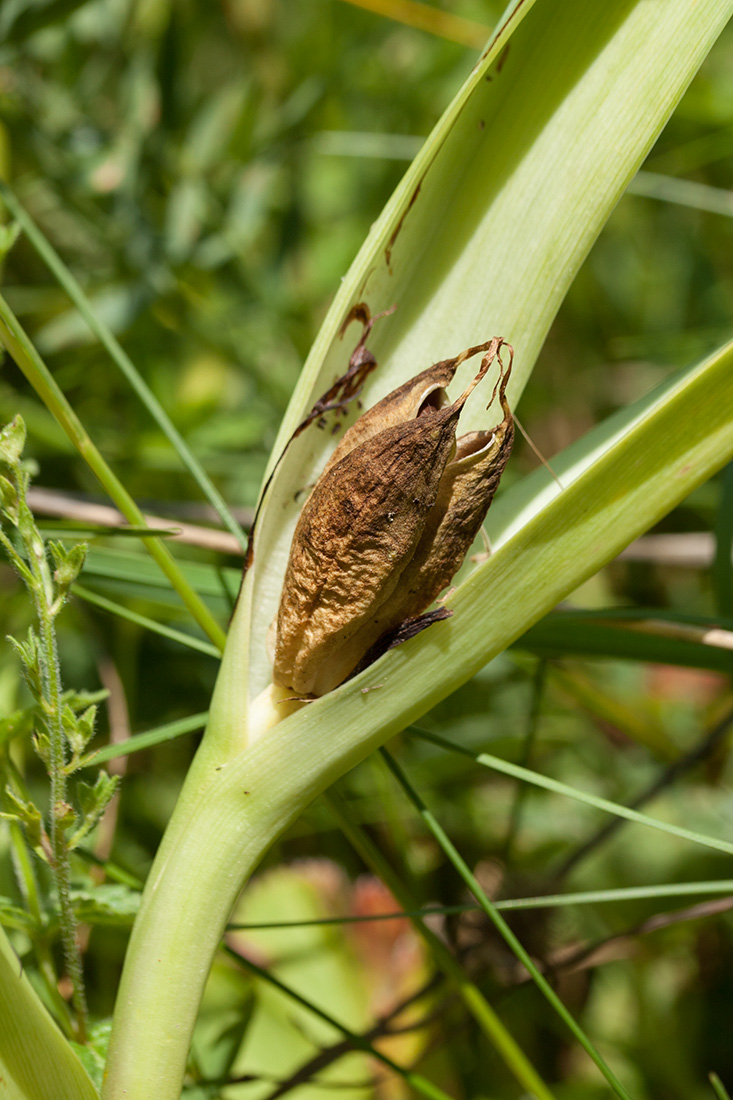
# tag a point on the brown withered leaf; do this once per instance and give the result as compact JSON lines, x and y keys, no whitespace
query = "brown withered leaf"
{"x":336,"y":399}
{"x":410,"y":628}
{"x":372,"y":520}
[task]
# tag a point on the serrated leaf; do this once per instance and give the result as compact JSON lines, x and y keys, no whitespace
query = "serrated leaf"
{"x":93,"y":800}
{"x":109,"y":904}
{"x":78,"y":729}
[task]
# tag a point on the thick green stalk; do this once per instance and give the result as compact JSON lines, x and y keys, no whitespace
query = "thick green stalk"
{"x":17,"y":343}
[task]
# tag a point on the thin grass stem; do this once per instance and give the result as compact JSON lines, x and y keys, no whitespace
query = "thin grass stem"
{"x":501,"y":926}
{"x":17,"y":343}
{"x":518,"y":772}
{"x":483,"y":1013}
{"x":146,"y":623}
{"x":121,"y":359}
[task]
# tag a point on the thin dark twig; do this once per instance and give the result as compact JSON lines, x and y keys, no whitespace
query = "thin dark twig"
{"x":381,"y":1028}
{"x":585,"y":956}
{"x":355,"y":1039}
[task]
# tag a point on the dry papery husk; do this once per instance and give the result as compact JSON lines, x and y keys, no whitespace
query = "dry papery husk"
{"x":387,"y":525}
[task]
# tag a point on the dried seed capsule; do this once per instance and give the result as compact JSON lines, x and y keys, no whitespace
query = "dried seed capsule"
{"x":467,"y":487}
{"x":358,"y":529}
{"x":380,"y":515}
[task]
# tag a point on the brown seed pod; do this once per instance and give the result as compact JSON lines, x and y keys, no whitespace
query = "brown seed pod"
{"x":386,"y":526}
{"x":358,"y":529}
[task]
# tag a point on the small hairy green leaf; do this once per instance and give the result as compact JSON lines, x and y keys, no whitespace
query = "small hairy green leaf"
{"x":92,"y":800}
{"x":9,"y":500}
{"x":28,"y":815}
{"x":12,"y":442}
{"x":68,"y":563}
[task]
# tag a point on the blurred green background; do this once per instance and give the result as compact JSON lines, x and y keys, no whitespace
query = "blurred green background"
{"x":208,"y":172}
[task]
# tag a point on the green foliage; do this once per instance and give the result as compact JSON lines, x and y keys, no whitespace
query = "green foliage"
{"x":208,"y":174}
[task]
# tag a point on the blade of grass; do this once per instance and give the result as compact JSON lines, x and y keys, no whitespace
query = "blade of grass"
{"x":17,"y":343}
{"x":722,"y":570}
{"x":518,"y":772}
{"x":140,"y":741}
{"x":147,"y":624}
{"x":416,"y":1080}
{"x":544,"y":901}
{"x":121,"y":359}
{"x":36,"y":1062}
{"x":122,"y":565}
{"x":604,"y":634}
{"x":716,"y":732}
{"x":698,"y":196}
{"x":472,"y":997}
{"x":423,"y":17}
{"x":500,"y":924}
{"x":718,"y":1087}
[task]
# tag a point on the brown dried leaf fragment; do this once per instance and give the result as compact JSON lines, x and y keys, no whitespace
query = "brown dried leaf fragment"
{"x":337,"y":398}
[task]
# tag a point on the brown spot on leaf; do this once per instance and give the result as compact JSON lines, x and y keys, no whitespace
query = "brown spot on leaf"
{"x":397,"y":229}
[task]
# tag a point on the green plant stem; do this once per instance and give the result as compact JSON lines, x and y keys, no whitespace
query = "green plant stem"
{"x":120,"y":357}
{"x":500,"y":924}
{"x":17,"y":343}
{"x":473,"y":999}
{"x":29,"y":889}
{"x":43,"y":597}
{"x":146,"y":623}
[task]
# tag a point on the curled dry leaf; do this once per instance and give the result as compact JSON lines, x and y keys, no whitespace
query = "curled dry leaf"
{"x":387,"y":525}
